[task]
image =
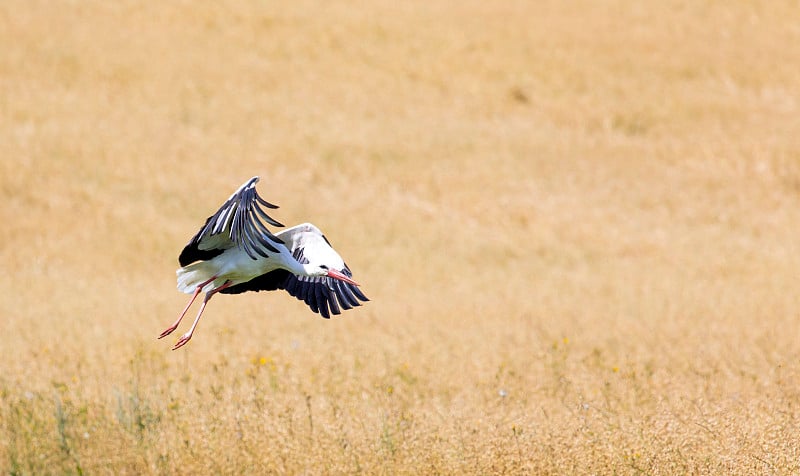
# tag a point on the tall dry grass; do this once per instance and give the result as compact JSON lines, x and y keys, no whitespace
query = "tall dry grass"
{"x":578,"y":222}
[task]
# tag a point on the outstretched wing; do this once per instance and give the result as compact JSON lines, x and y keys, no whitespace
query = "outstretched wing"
{"x":266,"y":282}
{"x":323,"y":295}
{"x":237,"y":223}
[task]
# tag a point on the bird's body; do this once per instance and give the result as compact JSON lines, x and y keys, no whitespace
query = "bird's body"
{"x":232,"y":265}
{"x":234,"y":252}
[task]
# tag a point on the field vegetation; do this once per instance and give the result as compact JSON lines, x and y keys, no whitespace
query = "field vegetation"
{"x":578,"y":223}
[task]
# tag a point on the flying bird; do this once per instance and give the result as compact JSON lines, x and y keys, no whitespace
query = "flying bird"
{"x":234,"y":252}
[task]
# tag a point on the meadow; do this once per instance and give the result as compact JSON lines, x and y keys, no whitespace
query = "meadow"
{"x":577,"y":222}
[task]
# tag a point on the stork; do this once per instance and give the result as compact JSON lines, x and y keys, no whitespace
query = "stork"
{"x":234,"y":252}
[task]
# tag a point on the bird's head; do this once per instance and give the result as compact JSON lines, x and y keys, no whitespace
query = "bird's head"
{"x":323,"y":270}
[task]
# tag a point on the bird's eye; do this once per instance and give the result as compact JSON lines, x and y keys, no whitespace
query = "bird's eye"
{"x":323,"y":266}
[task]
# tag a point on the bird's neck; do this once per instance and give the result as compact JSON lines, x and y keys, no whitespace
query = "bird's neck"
{"x":300,"y":269}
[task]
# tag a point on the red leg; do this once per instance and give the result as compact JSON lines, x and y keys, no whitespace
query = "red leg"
{"x":169,"y":330}
{"x":185,"y":338}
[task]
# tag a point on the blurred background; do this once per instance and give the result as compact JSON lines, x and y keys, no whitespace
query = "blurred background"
{"x":577,"y":222}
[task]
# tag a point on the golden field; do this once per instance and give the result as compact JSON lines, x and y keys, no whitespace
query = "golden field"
{"x":578,"y":223}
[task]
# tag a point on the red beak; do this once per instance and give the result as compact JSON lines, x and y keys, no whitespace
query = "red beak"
{"x":332,"y":273}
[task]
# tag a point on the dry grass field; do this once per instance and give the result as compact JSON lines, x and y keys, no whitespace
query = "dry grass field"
{"x":578,"y":223}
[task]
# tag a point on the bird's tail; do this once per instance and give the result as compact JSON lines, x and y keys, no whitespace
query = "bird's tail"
{"x":189,"y":277}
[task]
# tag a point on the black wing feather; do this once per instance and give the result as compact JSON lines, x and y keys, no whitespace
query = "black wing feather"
{"x":345,"y":296}
{"x":307,"y":292}
{"x":266,"y":282}
{"x":241,"y":217}
{"x":330,"y":302}
{"x":324,"y":295}
{"x":355,"y":290}
{"x":322,"y":301}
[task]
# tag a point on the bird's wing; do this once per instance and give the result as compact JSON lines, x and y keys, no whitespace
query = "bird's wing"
{"x":322,"y":294}
{"x":266,"y":282}
{"x":238,"y":222}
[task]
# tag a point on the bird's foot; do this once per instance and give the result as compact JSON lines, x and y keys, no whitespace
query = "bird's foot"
{"x":169,"y":330}
{"x":182,"y":341}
